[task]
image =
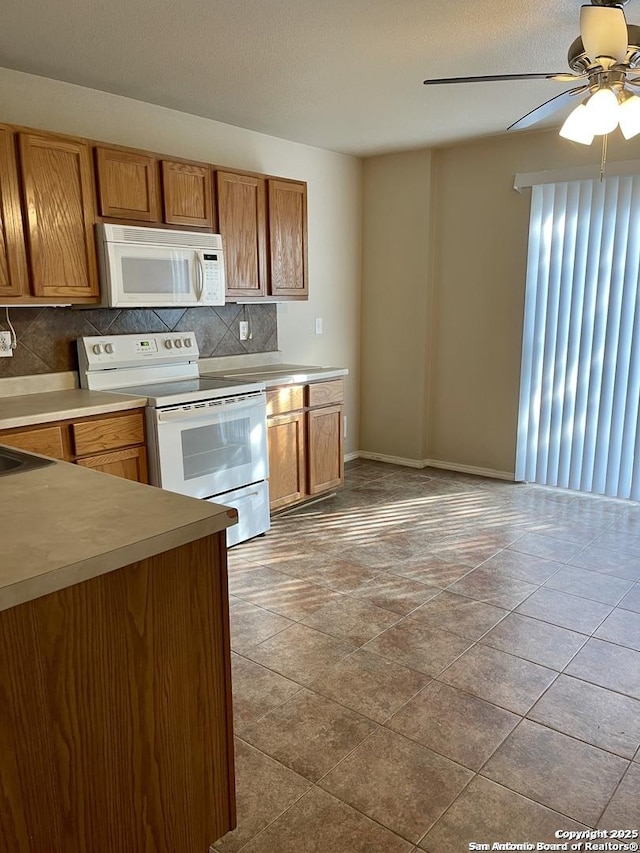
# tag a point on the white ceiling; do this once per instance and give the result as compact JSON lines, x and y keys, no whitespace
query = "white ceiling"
{"x":340,"y":74}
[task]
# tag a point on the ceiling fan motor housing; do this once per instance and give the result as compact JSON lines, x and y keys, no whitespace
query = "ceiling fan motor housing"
{"x":580,"y":62}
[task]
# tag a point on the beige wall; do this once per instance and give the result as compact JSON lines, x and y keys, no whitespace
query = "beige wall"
{"x":470,"y":344}
{"x":396,"y":222}
{"x":334,"y":200}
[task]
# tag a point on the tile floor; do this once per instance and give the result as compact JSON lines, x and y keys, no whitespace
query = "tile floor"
{"x":428,"y":659}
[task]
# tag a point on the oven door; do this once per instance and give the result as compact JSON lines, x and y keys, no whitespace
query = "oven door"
{"x":207,"y":448}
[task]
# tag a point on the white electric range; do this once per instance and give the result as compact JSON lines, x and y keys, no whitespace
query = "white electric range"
{"x":206,"y":437}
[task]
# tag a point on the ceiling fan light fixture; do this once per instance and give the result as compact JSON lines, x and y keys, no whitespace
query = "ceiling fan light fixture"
{"x":629,"y":116}
{"x":577,"y":126}
{"x":603,"y":110}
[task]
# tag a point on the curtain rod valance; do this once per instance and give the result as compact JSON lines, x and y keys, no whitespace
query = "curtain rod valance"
{"x":575,"y":173}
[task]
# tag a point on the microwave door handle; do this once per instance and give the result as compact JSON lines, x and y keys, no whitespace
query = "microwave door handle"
{"x":200,"y":275}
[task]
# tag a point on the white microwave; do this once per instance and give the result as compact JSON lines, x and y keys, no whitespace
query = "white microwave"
{"x":156,"y":267}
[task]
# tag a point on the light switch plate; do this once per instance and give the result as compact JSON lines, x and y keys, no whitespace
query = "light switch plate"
{"x":244,"y":330}
{"x":318,"y":325}
{"x":5,"y":345}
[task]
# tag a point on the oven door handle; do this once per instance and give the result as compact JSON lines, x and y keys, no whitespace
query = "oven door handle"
{"x":210,"y":412}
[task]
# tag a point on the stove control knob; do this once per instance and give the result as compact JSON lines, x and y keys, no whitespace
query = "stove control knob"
{"x":187,"y":342}
{"x":168,"y":343}
{"x":98,"y":348}
{"x":108,"y":348}
{"x":177,"y":343}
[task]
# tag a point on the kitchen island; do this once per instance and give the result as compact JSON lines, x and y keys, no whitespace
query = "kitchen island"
{"x":115,"y":692}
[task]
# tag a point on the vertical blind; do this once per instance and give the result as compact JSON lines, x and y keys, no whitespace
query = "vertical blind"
{"x":580,"y":377}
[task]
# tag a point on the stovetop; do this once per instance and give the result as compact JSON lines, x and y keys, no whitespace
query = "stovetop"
{"x":190,"y":390}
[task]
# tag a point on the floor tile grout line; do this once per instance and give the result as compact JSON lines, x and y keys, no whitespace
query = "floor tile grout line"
{"x":596,"y":684}
{"x":283,"y":812}
{"x":615,"y":791}
{"x":554,"y":728}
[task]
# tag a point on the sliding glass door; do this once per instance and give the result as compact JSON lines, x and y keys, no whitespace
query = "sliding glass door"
{"x":580,"y":378}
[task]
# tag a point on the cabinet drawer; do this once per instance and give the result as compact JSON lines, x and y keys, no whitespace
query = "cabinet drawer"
{"x":107,"y":434}
{"x":286,"y":399}
{"x":325,"y":393}
{"x":48,"y":441}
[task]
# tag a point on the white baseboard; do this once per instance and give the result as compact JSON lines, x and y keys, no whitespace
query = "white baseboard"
{"x":349,"y":457}
{"x":470,"y":469}
{"x":433,"y":463}
{"x":393,"y":460}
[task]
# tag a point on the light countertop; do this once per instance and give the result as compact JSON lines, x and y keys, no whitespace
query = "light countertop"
{"x":63,"y":524}
{"x":280,"y":374}
{"x":33,"y":409}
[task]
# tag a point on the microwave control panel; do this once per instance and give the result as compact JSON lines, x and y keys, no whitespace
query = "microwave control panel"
{"x":214,"y":278}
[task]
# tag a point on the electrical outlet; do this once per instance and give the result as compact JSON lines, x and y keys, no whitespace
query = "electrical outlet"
{"x":318,"y":325}
{"x":244,"y":330}
{"x":5,"y":345}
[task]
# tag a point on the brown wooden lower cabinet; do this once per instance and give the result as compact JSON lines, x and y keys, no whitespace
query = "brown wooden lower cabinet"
{"x":115,"y":711}
{"x":111,"y":443}
{"x":305,"y":436}
{"x":287,"y":460}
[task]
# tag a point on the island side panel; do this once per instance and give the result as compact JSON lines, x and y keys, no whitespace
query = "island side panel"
{"x":115,"y":710}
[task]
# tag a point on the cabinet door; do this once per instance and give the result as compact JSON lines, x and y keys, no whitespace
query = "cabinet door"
{"x":128,"y":185}
{"x":242,"y":222}
{"x":13,"y":259}
{"x":58,"y":191}
{"x":288,"y":238}
{"x":130,"y":463}
{"x":187,"y":194}
{"x":326,"y":458}
{"x":287,"y":480}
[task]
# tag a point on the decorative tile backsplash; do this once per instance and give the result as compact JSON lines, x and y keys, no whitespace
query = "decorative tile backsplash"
{"x":47,"y":336}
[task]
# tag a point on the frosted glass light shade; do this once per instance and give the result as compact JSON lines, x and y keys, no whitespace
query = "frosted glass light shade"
{"x":603,"y":109}
{"x":577,"y":127}
{"x":629,"y":117}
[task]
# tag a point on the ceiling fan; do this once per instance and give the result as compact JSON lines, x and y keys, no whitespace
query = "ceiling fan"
{"x":604,"y":60}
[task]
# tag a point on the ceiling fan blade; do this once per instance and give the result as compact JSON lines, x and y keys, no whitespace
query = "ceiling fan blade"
{"x":568,"y":78}
{"x":547,"y":109}
{"x":490,"y":77}
{"x":604,"y":32}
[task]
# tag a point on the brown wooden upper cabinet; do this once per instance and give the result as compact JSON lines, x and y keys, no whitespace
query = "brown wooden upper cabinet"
{"x":288,"y":238}
{"x":128,"y":185}
{"x":263,"y":223}
{"x":242,"y":219}
{"x":59,"y":216}
{"x":187,"y":194}
{"x":13,"y":258}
